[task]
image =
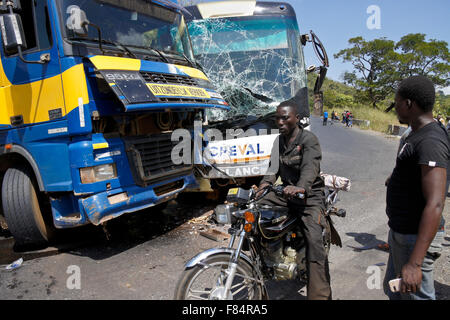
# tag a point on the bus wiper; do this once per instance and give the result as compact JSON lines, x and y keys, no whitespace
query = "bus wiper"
{"x":258,"y":96}
{"x":117,"y":44}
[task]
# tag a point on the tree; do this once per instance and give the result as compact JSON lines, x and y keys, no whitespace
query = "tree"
{"x":380,"y":64}
{"x":373,"y":62}
{"x":419,"y":57}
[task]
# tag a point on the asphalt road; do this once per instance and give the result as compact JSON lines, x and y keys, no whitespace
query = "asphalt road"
{"x":142,"y":255}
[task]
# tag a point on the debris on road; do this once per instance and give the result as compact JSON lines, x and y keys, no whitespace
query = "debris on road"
{"x":202,"y":219}
{"x":383,"y":246}
{"x":215,"y":235}
{"x":16,"y":264}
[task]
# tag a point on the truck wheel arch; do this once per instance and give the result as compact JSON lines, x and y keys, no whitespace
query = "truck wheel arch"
{"x":18,"y":151}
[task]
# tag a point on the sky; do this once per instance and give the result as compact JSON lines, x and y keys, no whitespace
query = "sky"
{"x":336,"y":21}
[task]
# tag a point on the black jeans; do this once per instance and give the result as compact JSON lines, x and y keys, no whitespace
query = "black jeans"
{"x":312,"y":224}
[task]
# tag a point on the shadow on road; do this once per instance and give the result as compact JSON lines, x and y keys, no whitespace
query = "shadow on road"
{"x":286,"y":290}
{"x":131,"y":230}
{"x":442,"y":291}
{"x":368,"y":242}
{"x":117,"y":236}
{"x":446,"y":244}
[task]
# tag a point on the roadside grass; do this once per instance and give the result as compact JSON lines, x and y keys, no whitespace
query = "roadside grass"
{"x":379,"y":120}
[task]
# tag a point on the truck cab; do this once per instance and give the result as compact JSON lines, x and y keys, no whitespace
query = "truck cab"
{"x":91,"y":93}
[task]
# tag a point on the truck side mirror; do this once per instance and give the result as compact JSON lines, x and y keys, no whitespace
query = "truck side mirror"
{"x":77,"y":22}
{"x":14,"y":37}
{"x":12,"y":32}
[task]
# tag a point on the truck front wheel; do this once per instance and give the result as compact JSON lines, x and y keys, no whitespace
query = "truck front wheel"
{"x":23,"y":207}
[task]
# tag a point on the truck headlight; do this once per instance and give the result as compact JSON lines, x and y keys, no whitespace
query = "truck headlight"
{"x":98,"y":173}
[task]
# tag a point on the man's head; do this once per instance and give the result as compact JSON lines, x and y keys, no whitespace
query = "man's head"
{"x":415,"y":96}
{"x":287,"y":118}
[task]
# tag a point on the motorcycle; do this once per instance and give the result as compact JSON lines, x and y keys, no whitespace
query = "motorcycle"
{"x":271,"y":236}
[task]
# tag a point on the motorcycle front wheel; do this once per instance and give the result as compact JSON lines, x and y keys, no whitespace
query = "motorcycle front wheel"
{"x":206,"y":281}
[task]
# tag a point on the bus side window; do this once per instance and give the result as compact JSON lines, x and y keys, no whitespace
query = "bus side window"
{"x":36,"y":26}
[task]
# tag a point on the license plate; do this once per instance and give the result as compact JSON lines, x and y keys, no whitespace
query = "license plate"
{"x":177,"y":91}
{"x":233,"y":191}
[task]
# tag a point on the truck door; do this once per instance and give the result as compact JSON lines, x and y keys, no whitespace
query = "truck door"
{"x":32,"y":92}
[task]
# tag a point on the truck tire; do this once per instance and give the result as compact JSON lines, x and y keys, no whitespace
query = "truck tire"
{"x":22,"y":208}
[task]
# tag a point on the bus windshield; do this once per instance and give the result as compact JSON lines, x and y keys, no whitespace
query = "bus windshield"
{"x":256,"y":62}
{"x":135,"y":24}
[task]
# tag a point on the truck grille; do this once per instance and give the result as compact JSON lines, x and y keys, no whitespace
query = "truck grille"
{"x":151,"y":158}
{"x":168,"y":78}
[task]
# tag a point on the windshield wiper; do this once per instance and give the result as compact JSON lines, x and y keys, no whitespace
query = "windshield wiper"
{"x":117,"y":44}
{"x":181,"y":54}
{"x":158,"y":52}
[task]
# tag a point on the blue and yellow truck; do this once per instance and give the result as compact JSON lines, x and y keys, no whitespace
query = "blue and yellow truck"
{"x":90,"y":94}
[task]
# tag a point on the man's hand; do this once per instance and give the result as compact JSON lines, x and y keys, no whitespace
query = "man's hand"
{"x":387,"y":181}
{"x":291,"y":191}
{"x":411,"y":278}
{"x":260,"y":190}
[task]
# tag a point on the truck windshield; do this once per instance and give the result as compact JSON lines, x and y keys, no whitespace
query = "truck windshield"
{"x":135,"y":24}
{"x":256,"y":62}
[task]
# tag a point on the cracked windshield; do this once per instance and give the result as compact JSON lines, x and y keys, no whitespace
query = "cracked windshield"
{"x":255,"y":63}
{"x":134,"y":24}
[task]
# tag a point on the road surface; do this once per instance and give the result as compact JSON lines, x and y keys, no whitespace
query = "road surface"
{"x":143,"y":254}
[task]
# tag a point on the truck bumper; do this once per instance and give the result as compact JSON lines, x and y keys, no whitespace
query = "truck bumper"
{"x":108,"y":205}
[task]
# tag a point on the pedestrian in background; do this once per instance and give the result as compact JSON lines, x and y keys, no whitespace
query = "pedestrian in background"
{"x":416,"y":193}
{"x":350,"y":120}
{"x":325,"y":118}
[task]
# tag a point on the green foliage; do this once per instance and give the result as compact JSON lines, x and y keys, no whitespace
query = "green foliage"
{"x":442,"y":105}
{"x":371,"y":60}
{"x":340,"y":97}
{"x":380,"y":64}
{"x":419,"y":57}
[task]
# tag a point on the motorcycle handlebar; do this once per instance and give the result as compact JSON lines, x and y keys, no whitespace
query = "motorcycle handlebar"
{"x":279,"y":191}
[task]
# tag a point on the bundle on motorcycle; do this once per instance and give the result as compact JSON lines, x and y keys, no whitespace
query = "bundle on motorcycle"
{"x":265,"y":243}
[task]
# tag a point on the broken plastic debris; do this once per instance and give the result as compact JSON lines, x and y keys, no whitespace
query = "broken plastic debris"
{"x":383,"y":246}
{"x":202,"y":219}
{"x":16,"y":264}
{"x":215,"y":235}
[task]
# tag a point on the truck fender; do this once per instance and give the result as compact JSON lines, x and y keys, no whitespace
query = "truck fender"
{"x":29,"y":158}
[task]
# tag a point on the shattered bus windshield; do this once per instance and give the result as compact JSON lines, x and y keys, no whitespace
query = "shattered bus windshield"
{"x":255,"y":62}
{"x":135,"y":24}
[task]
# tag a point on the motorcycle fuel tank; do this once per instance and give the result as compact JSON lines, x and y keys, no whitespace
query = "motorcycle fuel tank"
{"x":275,"y":221}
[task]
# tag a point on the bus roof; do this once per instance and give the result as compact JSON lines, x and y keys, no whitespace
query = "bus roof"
{"x":238,"y":8}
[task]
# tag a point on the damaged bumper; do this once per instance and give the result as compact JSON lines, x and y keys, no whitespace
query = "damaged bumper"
{"x":108,"y":205}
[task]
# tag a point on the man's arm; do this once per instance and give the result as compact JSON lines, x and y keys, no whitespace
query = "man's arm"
{"x":310,"y":167}
{"x":433,"y":188}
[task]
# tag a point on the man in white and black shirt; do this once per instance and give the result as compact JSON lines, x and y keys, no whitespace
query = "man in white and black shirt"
{"x":416,"y":192}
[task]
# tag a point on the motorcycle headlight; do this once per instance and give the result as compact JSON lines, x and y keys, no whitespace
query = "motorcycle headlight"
{"x":98,"y":173}
{"x":224,"y":212}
